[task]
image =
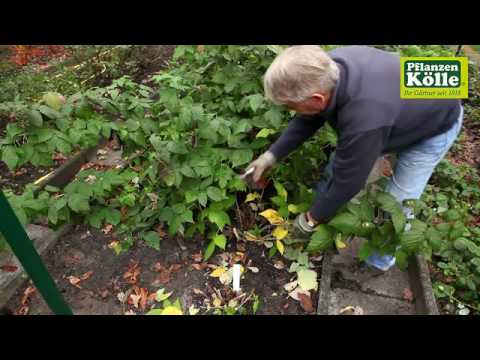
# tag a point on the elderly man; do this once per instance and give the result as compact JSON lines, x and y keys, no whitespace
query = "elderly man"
{"x":356,"y":89}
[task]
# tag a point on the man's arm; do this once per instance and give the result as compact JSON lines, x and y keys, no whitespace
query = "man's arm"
{"x":300,"y":129}
{"x":354,"y":159}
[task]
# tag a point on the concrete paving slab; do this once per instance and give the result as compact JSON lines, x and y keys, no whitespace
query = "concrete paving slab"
{"x":370,"y":304}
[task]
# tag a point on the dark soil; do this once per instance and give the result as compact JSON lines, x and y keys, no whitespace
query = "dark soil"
{"x":17,"y":179}
{"x":87,"y":250}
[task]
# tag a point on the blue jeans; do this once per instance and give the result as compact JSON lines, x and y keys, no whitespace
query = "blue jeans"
{"x":413,"y":169}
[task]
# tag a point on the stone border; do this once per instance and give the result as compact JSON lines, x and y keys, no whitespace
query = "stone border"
{"x":418,"y":276}
{"x":325,"y":284}
{"x":421,"y":284}
{"x":13,"y":281}
{"x":60,"y":177}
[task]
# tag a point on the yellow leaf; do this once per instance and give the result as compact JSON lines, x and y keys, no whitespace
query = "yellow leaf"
{"x":280,"y":246}
{"x":280,"y":232}
{"x":218,"y":272}
{"x":252,"y":196}
{"x":172,"y":310}
{"x":272,"y":216}
{"x":193,"y":310}
{"x":339,"y":243}
{"x":217,"y":302}
{"x":293,"y":209}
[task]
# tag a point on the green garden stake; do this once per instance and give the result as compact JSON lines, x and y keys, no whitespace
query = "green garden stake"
{"x":24,"y":250}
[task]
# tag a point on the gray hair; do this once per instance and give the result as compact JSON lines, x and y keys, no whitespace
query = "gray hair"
{"x":298,"y":72}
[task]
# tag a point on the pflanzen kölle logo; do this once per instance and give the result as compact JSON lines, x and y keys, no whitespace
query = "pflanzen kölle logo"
{"x":433,"y":77}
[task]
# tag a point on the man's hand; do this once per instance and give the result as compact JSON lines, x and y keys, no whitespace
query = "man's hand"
{"x":263,"y":163}
{"x":304,"y":227}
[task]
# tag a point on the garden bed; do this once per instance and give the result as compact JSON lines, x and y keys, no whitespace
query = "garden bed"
{"x":182,"y":272}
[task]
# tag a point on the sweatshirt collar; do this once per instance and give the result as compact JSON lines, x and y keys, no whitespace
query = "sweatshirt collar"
{"x":335,"y":101}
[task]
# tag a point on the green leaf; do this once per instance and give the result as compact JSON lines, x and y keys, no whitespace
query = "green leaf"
{"x":307,"y":279}
{"x":95,"y":218}
{"x":10,"y":157}
{"x":255,"y":101}
{"x":401,"y":259}
{"x":52,"y":215}
{"x":44,"y":135}
{"x":265,"y":133}
{"x":161,"y":295}
{"x":220,"y":240}
{"x":187,"y":171}
{"x":215,"y":193}
{"x":78,"y":203}
{"x":220,"y":218}
{"x":273,"y":250}
{"x":152,"y":239}
{"x":388,"y":203}
{"x":367,"y":210}
{"x":399,"y":221}
{"x":281,"y":190}
{"x":321,"y":240}
{"x":51,"y":188}
{"x":346,"y":223}
{"x":35,"y":118}
{"x":113,"y":216}
{"x":209,"y":250}
{"x":53,"y":100}
{"x":241,"y":127}
{"x":274,"y":117}
{"x":355,"y":209}
{"x":365,"y":251}
{"x":413,"y":238}
{"x":240,"y":157}
{"x":452,"y":215}
{"x":48,"y":112}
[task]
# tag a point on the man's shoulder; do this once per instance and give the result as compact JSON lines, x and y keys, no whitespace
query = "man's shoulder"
{"x":355,"y":49}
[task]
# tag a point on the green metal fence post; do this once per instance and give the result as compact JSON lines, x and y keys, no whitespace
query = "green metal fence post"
{"x":24,"y":250}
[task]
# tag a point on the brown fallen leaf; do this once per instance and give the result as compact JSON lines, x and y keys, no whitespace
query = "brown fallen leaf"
{"x":22,"y":310}
{"x":29,"y":291}
{"x":200,"y":266}
{"x":163,"y":278}
{"x":241,"y":247}
{"x":107,"y":229}
{"x":175,"y":267}
{"x":131,"y":275}
{"x":197,"y":257}
{"x":74,"y":281}
{"x":9,"y":268}
{"x":59,"y":157}
{"x":104,"y":293}
{"x":143,"y":292}
{"x":134,"y":300}
{"x":123,"y":210}
{"x":87,"y":275}
{"x":351,"y":310}
{"x":306,"y":302}
{"x":408,"y":295}
{"x":198,"y":292}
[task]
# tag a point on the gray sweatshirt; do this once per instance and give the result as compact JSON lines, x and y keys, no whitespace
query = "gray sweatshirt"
{"x":370,"y":120}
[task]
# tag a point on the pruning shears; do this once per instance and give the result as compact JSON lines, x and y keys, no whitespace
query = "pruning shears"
{"x":247,"y":173}
{"x":260,"y":184}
